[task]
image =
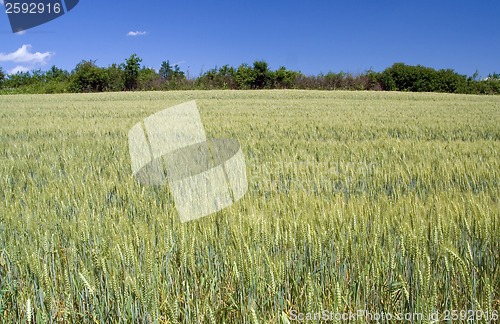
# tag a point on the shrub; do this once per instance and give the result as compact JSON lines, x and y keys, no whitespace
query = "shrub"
{"x":87,"y":77}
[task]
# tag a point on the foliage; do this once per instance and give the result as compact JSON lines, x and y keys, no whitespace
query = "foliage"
{"x":245,"y":77}
{"x":2,"y":77}
{"x":171,"y":77}
{"x":53,"y":80}
{"x":487,"y":86}
{"x":148,"y":79}
{"x":374,"y":201}
{"x":283,"y":78}
{"x":131,"y":72}
{"x":493,"y":76}
{"x":218,"y":78}
{"x":401,"y":77}
{"x":56,"y":74}
{"x":262,"y":75}
{"x":171,"y":73}
{"x":20,"y":79}
{"x":116,"y":77}
{"x":87,"y":77}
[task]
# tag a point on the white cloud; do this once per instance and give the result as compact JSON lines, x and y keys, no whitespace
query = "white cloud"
{"x":23,"y":55}
{"x":22,"y":32}
{"x":18,"y":69}
{"x":1,"y":2}
{"x":136,"y":33}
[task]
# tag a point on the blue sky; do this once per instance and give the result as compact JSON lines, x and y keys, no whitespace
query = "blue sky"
{"x":309,"y":36}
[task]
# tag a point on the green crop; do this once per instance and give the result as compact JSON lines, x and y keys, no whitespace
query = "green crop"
{"x":357,"y":201}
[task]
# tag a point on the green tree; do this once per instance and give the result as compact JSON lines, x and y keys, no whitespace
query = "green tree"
{"x":148,"y":79}
{"x":492,"y":82}
{"x":283,"y":78}
{"x":493,"y":76}
{"x":333,"y":81}
{"x":419,"y":78}
{"x":88,"y":77}
{"x":171,"y":76}
{"x":226,"y":77}
{"x":218,"y":78}
{"x":178,"y":74}
{"x":116,"y":78}
{"x":56,"y":74}
{"x":131,"y":68}
{"x":403,"y":77}
{"x":451,"y":82}
{"x":262,"y":75}
{"x":387,"y":83}
{"x":245,"y":77}
{"x":373,"y":80}
{"x":54,"y":80}
{"x":2,"y":77}
{"x":19,"y":80}
{"x":168,"y":72}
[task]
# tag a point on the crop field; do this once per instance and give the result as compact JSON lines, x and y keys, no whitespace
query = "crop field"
{"x":366,"y":203}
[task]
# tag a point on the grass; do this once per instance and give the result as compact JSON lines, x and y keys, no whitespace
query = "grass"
{"x":373,"y":201}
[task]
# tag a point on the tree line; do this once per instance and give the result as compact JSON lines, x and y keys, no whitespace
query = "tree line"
{"x":131,"y":76}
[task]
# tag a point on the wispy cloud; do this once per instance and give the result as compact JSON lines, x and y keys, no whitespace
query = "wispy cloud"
{"x":23,"y":55}
{"x":179,"y":63}
{"x":22,"y":32}
{"x":19,"y":69}
{"x":1,"y":2}
{"x":24,"y":59}
{"x":137,"y":33}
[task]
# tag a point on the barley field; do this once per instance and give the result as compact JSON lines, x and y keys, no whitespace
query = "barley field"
{"x":358,"y":203}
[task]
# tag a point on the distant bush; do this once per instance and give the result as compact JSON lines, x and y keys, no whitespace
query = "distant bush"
{"x":401,"y":77}
{"x":131,"y":70}
{"x":88,"y":77}
{"x":283,"y":78}
{"x":217,"y":78}
{"x":2,"y":77}
{"x":115,"y":77}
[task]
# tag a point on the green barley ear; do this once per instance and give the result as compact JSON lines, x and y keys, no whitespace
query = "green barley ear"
{"x":236,"y":272}
{"x":95,"y":257}
{"x":338,"y":297}
{"x":103,"y":265}
{"x":211,"y":316}
{"x":284,"y":318}
{"x":192,"y":257}
{"x":66,"y":314}
{"x":255,"y":319}
{"x":403,"y":248}
{"x":489,"y":295}
{"x":46,"y":277}
{"x":129,"y":254}
{"x":29,"y":311}
{"x":176,"y":311}
{"x":428,"y":272}
{"x":310,"y":294}
{"x":277,"y":234}
{"x":273,"y":282}
{"x":86,"y":284}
